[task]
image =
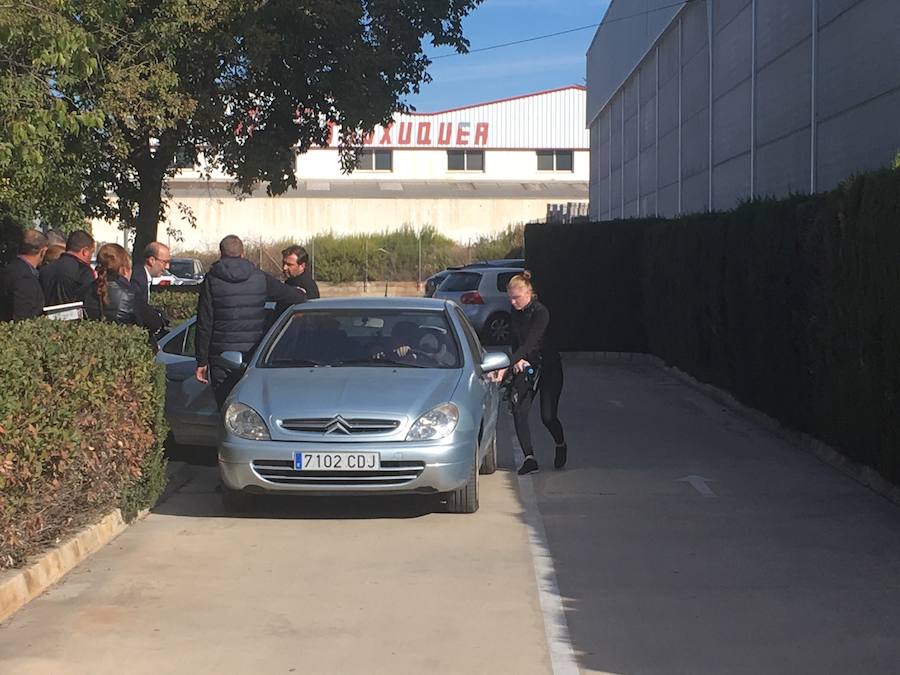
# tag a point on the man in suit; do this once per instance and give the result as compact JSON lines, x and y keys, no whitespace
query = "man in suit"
{"x":71,"y":279}
{"x":157,"y":258}
{"x":21,"y":295}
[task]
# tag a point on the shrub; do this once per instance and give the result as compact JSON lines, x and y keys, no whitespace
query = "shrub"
{"x":81,"y":429}
{"x":179,"y":304}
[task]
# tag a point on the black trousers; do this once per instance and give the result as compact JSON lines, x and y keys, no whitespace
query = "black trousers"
{"x":549,"y":390}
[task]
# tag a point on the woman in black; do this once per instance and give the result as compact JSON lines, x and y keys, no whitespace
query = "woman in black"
{"x":119,"y":300}
{"x":533,"y":358}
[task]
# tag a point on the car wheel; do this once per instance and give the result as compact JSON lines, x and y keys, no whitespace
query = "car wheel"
{"x":237,"y":502}
{"x":496,"y":329}
{"x":489,"y":463}
{"x":465,"y":498}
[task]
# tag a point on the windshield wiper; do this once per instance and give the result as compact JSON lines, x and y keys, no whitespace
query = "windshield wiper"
{"x":377,"y":362}
{"x":298,"y":363}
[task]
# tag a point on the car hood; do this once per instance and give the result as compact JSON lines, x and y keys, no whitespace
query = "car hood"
{"x":401,"y":394}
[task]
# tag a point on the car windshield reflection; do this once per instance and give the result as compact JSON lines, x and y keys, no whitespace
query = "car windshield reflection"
{"x":363,"y":338}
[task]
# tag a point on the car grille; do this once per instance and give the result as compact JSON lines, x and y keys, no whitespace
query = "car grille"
{"x":340,"y":426}
{"x":392,"y":473}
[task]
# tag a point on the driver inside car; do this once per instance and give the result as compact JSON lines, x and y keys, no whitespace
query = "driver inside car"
{"x":403,"y":336}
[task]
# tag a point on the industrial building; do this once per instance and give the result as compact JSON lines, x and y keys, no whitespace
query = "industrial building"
{"x":468,"y":172}
{"x":700,"y":104}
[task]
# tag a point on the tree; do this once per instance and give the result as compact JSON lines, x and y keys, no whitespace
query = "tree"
{"x":45,"y":52}
{"x":249,"y":83}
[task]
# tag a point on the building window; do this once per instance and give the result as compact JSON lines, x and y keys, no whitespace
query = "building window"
{"x":555,"y":160}
{"x":465,"y":160}
{"x":184,"y":158}
{"x":376,"y":160}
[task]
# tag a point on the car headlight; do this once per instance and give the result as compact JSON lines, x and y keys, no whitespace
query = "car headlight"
{"x":436,"y":424}
{"x":244,"y":422}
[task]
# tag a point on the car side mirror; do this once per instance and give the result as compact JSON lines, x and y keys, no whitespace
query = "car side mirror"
{"x":494,"y":361}
{"x":233,"y":360}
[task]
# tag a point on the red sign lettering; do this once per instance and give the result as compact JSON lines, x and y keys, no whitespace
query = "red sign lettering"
{"x":386,"y":135}
{"x":481,"y":134}
{"x":424,"y":135}
{"x":405,"y":133}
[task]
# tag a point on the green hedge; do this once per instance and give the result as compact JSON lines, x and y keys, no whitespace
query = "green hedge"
{"x":81,"y":429}
{"x":178,"y":305}
{"x":792,"y":305}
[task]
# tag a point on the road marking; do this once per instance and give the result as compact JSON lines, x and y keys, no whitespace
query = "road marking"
{"x":699,"y":483}
{"x":556,"y":628}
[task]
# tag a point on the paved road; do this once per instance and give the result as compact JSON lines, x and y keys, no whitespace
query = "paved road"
{"x":320,"y":587}
{"x":775,"y":564}
{"x":790,"y":568}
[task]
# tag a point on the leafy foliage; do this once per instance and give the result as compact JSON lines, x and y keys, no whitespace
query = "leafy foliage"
{"x":81,"y":428}
{"x":790,"y":304}
{"x":246,"y":83}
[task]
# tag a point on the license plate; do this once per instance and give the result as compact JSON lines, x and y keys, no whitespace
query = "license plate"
{"x":337,"y":461}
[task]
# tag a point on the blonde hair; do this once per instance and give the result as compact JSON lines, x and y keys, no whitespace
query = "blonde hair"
{"x":111,"y":260}
{"x":522,"y":280}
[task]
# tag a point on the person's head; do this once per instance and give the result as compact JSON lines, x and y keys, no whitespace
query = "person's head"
{"x":231,"y":247}
{"x":34,"y":246}
{"x":293,"y":261}
{"x":53,"y":253}
{"x":403,"y":333}
{"x":520,"y":290}
{"x":112,"y":261}
{"x":56,"y":238}
{"x":157,"y":258}
{"x":81,"y":245}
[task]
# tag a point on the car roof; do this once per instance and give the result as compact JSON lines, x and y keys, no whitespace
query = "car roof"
{"x":404,"y":303}
{"x":491,"y":268}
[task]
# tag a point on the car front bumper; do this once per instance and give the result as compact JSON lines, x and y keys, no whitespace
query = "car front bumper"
{"x":267,"y":466}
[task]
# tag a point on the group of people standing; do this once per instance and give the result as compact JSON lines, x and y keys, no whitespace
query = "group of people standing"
{"x":111,"y":289}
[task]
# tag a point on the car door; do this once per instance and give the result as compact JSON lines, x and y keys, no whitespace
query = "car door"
{"x":490,"y":391}
{"x":190,"y":405}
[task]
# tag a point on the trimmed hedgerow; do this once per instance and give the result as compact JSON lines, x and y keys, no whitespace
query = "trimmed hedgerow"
{"x":81,"y":429}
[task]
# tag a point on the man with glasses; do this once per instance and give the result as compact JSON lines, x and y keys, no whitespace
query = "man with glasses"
{"x":157,"y":258}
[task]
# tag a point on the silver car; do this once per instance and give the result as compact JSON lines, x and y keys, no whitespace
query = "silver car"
{"x":481,"y":292}
{"x":352,"y":396}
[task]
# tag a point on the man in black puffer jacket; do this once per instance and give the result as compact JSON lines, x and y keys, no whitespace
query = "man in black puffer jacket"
{"x":231,"y":313}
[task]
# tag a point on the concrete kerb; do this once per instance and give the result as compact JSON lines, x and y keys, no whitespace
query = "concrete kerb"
{"x":825,"y":453}
{"x":21,"y":586}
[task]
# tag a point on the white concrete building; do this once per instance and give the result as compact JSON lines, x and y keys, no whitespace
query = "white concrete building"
{"x":468,"y":171}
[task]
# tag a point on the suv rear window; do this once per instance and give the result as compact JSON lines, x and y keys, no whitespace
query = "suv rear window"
{"x":503,"y":280}
{"x":459,"y":282}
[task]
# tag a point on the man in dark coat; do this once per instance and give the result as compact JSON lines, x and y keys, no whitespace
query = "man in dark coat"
{"x":295,"y":266}
{"x":71,"y":279}
{"x":21,"y":295}
{"x":157,"y":258}
{"x":231,"y":313}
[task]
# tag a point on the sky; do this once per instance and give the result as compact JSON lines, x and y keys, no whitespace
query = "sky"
{"x":511,"y":71}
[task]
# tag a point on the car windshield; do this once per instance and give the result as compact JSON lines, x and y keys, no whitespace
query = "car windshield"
{"x":363,"y":338}
{"x":459,"y":282}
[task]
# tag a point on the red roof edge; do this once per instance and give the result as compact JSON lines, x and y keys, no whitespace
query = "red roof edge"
{"x":499,"y":100}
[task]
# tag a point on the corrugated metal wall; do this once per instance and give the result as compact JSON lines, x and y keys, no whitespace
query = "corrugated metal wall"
{"x":793,"y":109}
{"x":546,"y":120}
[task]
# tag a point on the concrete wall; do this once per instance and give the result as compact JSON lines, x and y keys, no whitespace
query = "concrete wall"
{"x":773,"y":107}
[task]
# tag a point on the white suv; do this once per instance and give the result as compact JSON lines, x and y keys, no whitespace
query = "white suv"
{"x":481,"y":292}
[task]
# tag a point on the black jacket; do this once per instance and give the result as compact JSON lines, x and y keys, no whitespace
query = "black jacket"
{"x":529,"y":334}
{"x":231,"y":314}
{"x":125,"y":306}
{"x":140,"y":283}
{"x":21,"y":295}
{"x":70,"y":280}
{"x":306,"y":283}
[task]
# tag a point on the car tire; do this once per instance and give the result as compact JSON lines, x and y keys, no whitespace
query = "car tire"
{"x":489,"y":463}
{"x":497,"y":329}
{"x":237,"y":502}
{"x":464,"y":499}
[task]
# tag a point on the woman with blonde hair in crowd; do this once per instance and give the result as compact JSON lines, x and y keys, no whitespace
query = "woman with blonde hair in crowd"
{"x":536,"y":367}
{"x":53,"y":253}
{"x":118,"y":297}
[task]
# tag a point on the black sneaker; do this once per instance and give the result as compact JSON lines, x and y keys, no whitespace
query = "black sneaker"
{"x":562,"y":452}
{"x":530,"y":465}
